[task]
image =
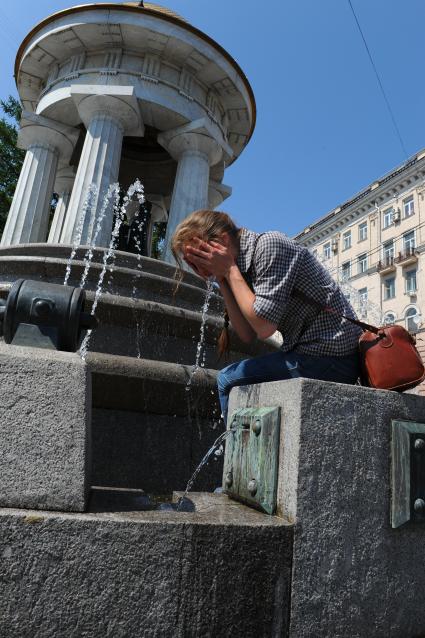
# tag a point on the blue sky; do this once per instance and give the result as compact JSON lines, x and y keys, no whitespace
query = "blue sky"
{"x":323,"y":131}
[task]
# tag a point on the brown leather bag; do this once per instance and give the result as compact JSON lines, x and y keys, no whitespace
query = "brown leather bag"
{"x":389,"y":359}
{"x":388,"y":355}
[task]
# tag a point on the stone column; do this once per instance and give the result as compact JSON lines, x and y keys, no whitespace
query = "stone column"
{"x":46,"y":141}
{"x":28,"y":217}
{"x":99,"y":165}
{"x":63,"y":187}
{"x":196,"y":147}
{"x":108,"y":113}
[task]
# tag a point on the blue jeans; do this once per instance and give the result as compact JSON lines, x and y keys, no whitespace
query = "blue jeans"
{"x":285,"y":365}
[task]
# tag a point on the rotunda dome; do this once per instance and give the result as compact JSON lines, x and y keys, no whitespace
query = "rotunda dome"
{"x":157,"y":8}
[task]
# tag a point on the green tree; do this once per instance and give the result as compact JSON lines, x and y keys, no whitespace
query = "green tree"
{"x":11,"y":157}
{"x":158,"y":236}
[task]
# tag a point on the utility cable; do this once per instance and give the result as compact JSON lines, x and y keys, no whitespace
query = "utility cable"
{"x":397,"y":130}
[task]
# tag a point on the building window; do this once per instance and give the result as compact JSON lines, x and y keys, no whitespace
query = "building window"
{"x":409,"y":242}
{"x":362,"y":263}
{"x":389,"y":288}
{"x":388,"y":217}
{"x":346,"y":240}
{"x":410,"y":281}
{"x":363,"y":302}
{"x":389,"y":318}
{"x":346,"y":271}
{"x":413,"y":319}
{"x":327,"y":251}
{"x":388,"y":253}
{"x":363,"y":231}
{"x":408,"y":206}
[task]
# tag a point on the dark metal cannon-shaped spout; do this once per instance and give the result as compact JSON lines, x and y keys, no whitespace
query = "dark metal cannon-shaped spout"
{"x":45,"y":315}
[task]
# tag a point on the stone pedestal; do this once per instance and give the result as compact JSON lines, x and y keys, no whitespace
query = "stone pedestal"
{"x":45,"y":420}
{"x":352,"y":573}
{"x":213,"y":572}
{"x":108,"y":113}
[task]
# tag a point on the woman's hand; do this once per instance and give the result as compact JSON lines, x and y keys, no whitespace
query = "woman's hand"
{"x":210,"y":257}
{"x":199,"y":271}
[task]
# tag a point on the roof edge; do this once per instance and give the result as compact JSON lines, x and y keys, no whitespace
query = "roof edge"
{"x":411,"y":161}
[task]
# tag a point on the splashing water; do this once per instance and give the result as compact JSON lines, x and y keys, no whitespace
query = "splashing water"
{"x":200,"y":349}
{"x":113,"y":191}
{"x":216,"y":445}
{"x":364,"y":308}
{"x":140,"y":222}
{"x":90,"y":197}
{"x":109,"y":256}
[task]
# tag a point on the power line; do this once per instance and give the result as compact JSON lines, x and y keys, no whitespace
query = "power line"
{"x":397,"y":130}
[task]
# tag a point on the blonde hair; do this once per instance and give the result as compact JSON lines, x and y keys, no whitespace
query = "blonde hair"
{"x":208,"y":225}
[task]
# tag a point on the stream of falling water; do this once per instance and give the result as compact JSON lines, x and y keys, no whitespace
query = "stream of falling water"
{"x":91,"y":195}
{"x":112,"y":192}
{"x":217,"y":443}
{"x":200,"y":348}
{"x":137,"y":240}
{"x":109,"y":256}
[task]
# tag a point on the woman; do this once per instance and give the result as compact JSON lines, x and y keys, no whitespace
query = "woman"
{"x":270,"y":283}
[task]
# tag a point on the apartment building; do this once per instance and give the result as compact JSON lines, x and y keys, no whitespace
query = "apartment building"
{"x":374,"y":246}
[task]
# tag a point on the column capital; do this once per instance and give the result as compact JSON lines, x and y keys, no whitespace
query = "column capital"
{"x":199,"y":136}
{"x":217,"y":193}
{"x":37,"y":129}
{"x":117,"y":102}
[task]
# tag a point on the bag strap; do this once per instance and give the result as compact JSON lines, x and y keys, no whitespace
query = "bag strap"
{"x":312,"y":302}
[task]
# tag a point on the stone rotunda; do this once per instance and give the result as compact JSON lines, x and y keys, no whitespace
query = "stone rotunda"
{"x":114,"y":92}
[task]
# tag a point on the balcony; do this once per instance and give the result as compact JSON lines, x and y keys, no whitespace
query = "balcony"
{"x":386,"y":265}
{"x":407,"y":256}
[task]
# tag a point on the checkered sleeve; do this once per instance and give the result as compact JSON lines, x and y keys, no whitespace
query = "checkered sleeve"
{"x":276,"y":260}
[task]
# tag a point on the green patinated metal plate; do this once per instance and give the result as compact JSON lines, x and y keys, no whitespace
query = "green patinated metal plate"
{"x":407,"y":472}
{"x":252,"y":456}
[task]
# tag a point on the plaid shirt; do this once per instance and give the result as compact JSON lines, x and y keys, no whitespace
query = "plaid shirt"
{"x":274,"y":266}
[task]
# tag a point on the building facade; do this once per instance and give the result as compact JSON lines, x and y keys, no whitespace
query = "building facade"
{"x":374,"y":246}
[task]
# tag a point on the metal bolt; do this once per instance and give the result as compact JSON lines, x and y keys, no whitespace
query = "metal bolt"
{"x":42,"y":308}
{"x":228,"y":481}
{"x":252,"y":487}
{"x":419,"y":445}
{"x":419,"y":506}
{"x":256,"y":427}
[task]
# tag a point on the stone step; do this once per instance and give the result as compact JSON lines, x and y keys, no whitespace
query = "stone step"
{"x":163,"y":332}
{"x":122,"y":259}
{"x":222,"y":570}
{"x":121,"y":281}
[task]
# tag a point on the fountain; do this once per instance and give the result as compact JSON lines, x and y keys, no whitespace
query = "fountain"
{"x":99,"y":532}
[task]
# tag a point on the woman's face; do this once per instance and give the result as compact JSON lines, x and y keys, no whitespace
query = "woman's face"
{"x":187,"y":258}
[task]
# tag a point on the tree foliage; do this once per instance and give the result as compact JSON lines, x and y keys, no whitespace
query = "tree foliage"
{"x":11,"y":157}
{"x":158,"y":236}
